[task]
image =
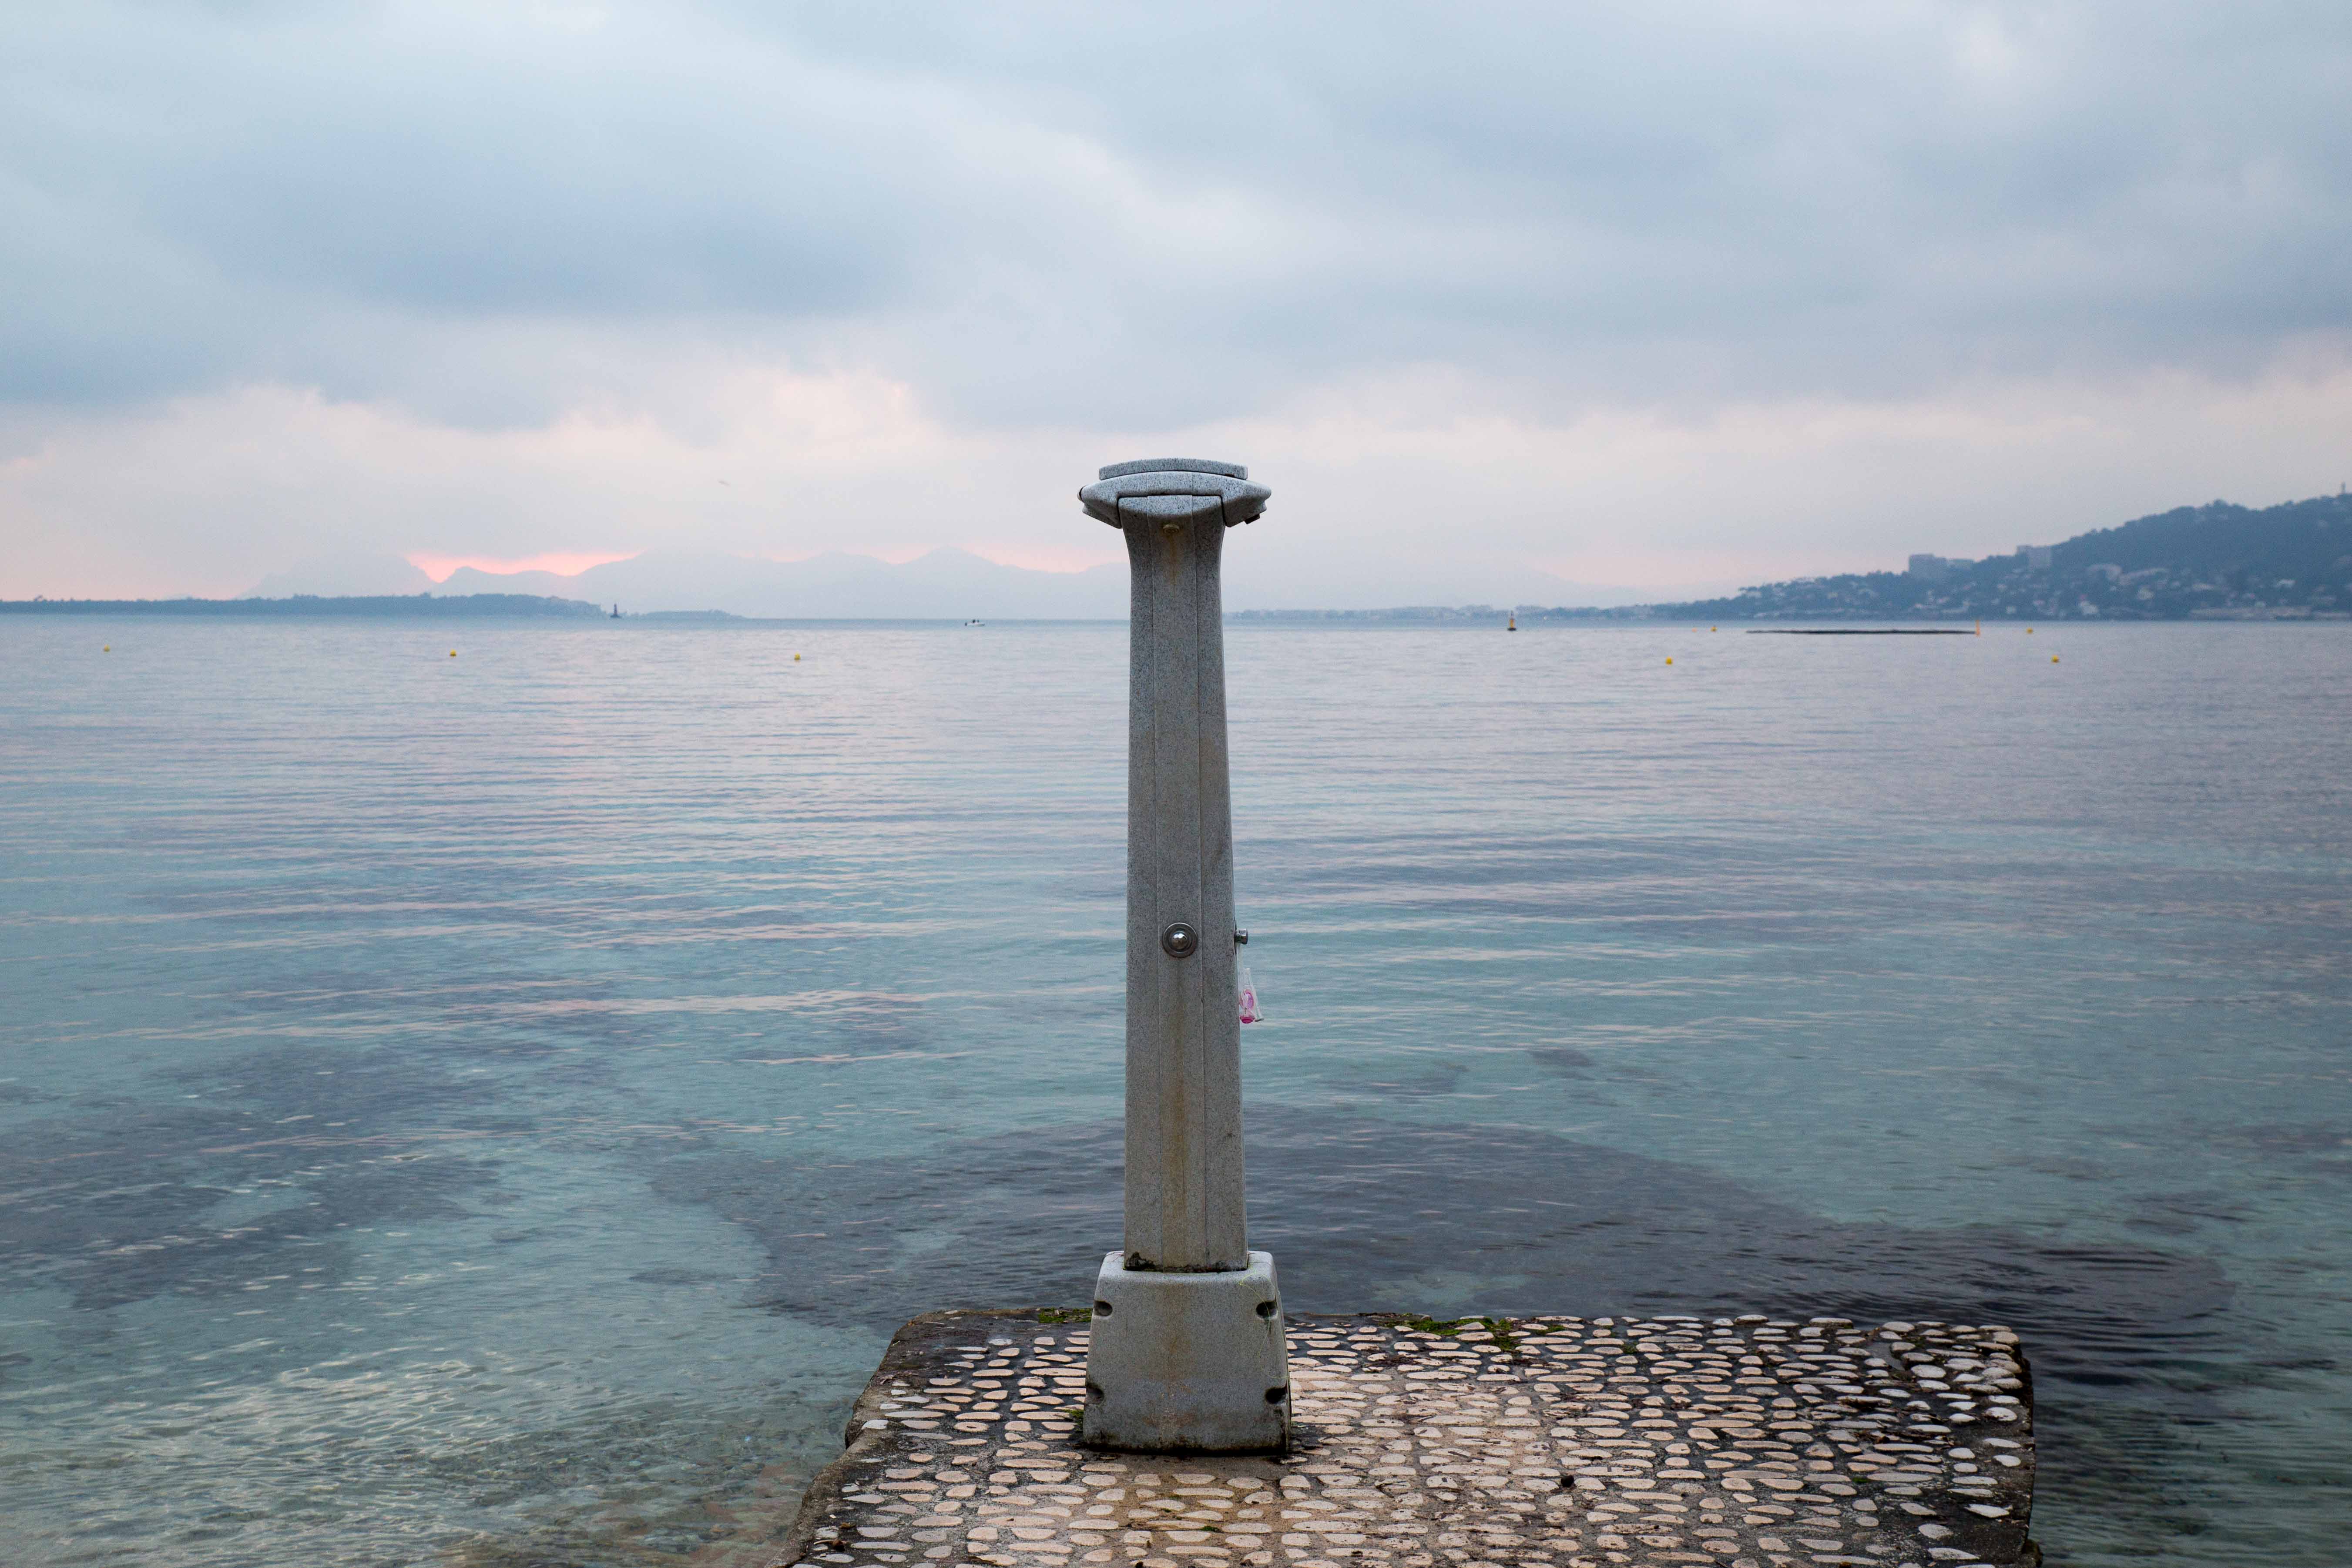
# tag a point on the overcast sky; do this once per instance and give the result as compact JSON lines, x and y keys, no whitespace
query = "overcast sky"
{"x":1628,"y":294}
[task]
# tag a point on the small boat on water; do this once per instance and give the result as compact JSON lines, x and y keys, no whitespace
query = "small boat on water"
{"x":975,"y":623}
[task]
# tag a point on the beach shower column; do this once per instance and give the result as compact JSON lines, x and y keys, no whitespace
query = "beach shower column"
{"x":1186,"y":1349}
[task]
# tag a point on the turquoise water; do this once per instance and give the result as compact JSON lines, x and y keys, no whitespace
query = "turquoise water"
{"x":494,"y":1109}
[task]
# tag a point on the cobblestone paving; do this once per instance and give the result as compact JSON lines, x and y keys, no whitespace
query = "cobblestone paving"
{"x":1746,"y":1442}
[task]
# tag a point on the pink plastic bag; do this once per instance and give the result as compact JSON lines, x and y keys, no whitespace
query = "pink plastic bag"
{"x":1250,"y":1015}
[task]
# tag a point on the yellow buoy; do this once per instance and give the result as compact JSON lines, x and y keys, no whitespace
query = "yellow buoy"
{"x":1670,"y":661}
{"x":2028,"y":631}
{"x":2053,"y":658}
{"x":453,"y":653}
{"x":1712,"y":629}
{"x":796,"y":659}
{"x":108,"y":648}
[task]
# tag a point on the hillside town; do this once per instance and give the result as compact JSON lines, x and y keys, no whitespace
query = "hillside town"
{"x":2218,"y":562}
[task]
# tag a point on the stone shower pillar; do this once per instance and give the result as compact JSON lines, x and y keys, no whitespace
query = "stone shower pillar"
{"x":1186,"y":1350}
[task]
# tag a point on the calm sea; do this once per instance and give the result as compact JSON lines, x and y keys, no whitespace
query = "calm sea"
{"x":494,"y":1109}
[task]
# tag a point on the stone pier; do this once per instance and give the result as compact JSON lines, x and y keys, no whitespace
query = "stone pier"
{"x":1185,"y":1419}
{"x":1747,"y":1442}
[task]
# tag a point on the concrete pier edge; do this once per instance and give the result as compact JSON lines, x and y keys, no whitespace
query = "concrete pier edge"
{"x":1749,"y":1442}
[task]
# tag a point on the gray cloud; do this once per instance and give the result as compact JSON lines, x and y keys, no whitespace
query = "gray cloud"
{"x":1622,"y":294}
{"x":485,"y":213}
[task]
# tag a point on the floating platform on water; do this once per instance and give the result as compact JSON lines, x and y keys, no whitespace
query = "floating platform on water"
{"x":1746,"y":1442}
{"x":1860,"y":632}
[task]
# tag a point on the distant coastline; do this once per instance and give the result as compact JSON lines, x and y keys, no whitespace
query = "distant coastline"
{"x":409,"y":606}
{"x":2220,"y":561}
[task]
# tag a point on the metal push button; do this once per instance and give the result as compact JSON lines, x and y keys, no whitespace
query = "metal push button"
{"x":1180,"y":941}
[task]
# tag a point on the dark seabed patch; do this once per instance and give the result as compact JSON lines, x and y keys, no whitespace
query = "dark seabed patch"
{"x":124,"y":1202}
{"x":1524,"y":1221}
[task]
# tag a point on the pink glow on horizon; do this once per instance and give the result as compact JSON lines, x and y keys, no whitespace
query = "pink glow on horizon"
{"x":1053,"y":558}
{"x":571,"y":563}
{"x":563,"y":562}
{"x":1047,"y":558}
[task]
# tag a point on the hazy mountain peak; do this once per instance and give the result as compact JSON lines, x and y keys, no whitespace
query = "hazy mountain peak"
{"x":946,"y":583}
{"x":331,"y":577}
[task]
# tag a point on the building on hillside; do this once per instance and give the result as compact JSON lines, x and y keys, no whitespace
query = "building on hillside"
{"x":1936,"y":568}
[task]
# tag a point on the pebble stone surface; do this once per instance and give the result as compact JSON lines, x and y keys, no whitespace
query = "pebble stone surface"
{"x":1746,"y":1442}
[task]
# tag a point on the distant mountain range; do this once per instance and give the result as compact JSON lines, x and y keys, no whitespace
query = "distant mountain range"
{"x":343,"y":577}
{"x":944,"y":584}
{"x":2291,"y":562}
